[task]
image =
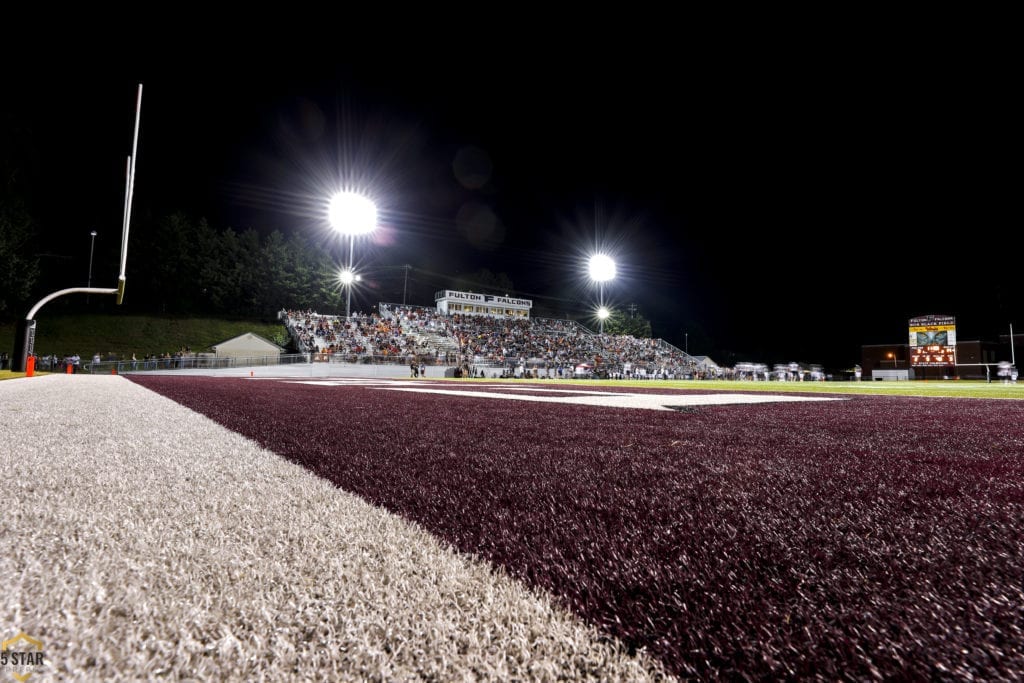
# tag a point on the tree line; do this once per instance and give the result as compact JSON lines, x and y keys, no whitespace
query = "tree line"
{"x":186,"y":266}
{"x":179,"y":265}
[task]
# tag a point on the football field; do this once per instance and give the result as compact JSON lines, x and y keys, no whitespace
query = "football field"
{"x":292,"y":528}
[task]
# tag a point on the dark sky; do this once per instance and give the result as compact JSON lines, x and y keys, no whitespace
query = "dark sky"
{"x":774,"y":200}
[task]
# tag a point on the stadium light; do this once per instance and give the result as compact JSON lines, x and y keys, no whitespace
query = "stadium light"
{"x":349,"y":277}
{"x":351,"y":214}
{"x":602,"y":269}
{"x":92,"y":248}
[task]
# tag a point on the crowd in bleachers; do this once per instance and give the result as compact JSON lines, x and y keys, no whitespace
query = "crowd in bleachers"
{"x":485,"y":345}
{"x":360,"y":336}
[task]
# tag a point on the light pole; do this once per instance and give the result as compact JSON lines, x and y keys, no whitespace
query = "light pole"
{"x":348,"y":277}
{"x":602,"y":269}
{"x":351,"y":214}
{"x":92,"y":244}
{"x":892,"y":357}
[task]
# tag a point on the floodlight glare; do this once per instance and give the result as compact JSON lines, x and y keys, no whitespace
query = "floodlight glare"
{"x":352,"y":214}
{"x":602,"y":268}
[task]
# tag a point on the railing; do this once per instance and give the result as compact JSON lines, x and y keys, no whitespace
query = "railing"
{"x":566,"y":325}
{"x":221,"y":363}
{"x":193,"y":362}
{"x":672,"y":348}
{"x":387,"y":310}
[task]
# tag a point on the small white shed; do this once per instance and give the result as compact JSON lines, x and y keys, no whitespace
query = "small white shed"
{"x":248,"y":345}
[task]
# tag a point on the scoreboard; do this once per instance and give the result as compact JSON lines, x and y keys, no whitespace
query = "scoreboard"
{"x":933,"y":341}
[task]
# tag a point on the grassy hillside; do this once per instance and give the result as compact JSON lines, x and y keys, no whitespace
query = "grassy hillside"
{"x":141,"y":335}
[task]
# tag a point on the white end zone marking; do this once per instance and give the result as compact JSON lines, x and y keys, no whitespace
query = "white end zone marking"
{"x":572,"y":396}
{"x":617,"y":400}
{"x":351,"y":382}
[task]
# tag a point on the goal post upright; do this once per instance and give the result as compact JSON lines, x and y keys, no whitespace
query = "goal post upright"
{"x":24,"y":342}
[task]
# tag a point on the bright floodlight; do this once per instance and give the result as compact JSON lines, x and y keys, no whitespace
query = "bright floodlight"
{"x":603,"y":313}
{"x":347,"y":277}
{"x":602,"y":268}
{"x":352,"y":214}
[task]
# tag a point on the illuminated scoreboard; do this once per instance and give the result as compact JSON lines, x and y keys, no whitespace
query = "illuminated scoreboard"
{"x":933,"y":340}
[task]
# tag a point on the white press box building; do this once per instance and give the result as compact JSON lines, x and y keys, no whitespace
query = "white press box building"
{"x":470,"y":303}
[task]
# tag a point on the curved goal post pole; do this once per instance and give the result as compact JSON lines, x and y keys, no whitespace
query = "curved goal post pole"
{"x":25,"y":334}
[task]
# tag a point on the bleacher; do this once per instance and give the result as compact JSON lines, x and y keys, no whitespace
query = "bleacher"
{"x":398,"y":333}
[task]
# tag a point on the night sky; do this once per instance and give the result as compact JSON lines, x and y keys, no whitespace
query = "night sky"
{"x":770,"y":200}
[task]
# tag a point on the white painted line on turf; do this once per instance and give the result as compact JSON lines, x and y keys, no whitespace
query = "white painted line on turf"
{"x":364,"y":382}
{"x":529,"y":387}
{"x":350,"y":382}
{"x":617,"y":400}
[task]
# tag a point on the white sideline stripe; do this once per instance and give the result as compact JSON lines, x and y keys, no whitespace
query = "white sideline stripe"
{"x":617,"y":400}
{"x":145,"y":541}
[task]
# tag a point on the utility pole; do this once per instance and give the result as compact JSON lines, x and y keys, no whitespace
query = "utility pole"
{"x":632,"y":310}
{"x":1013,"y":356}
{"x":92,"y":244}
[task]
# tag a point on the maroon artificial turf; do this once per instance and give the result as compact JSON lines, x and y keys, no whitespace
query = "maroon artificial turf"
{"x":856,"y":539}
